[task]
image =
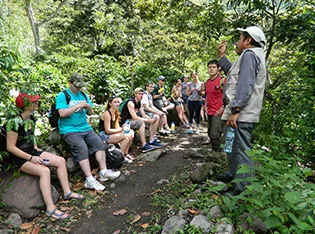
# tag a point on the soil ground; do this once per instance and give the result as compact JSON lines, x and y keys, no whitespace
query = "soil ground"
{"x":135,"y":194}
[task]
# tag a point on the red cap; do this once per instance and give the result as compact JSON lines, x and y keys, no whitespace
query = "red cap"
{"x":24,"y":98}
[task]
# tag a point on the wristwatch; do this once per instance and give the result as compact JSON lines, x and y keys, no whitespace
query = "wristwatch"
{"x":236,"y":110}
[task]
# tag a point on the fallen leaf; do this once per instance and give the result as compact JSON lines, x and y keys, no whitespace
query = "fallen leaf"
{"x":78,"y":185}
{"x":192,"y":211}
{"x":36,"y":230}
{"x":145,"y":225}
{"x":140,"y":164}
{"x":26,"y":225}
{"x":89,"y":213}
{"x":133,"y":171}
{"x":64,"y":208}
{"x":155,"y":191}
{"x":146,"y":213}
{"x":136,"y":218}
{"x":214,"y":196}
{"x":116,"y":232}
{"x":94,"y":171}
{"x":120,"y":212}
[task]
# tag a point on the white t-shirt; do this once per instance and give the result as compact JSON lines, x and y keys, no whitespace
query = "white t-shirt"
{"x":146,"y":98}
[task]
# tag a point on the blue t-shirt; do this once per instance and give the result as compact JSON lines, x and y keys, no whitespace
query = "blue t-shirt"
{"x":77,"y":122}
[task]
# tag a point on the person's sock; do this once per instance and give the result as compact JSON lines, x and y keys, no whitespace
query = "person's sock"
{"x":103,"y":171}
{"x":89,"y":178}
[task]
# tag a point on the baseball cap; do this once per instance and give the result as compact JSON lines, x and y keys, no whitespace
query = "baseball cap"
{"x":256,"y":33}
{"x":24,"y":98}
{"x":78,"y":80}
{"x":161,"y":78}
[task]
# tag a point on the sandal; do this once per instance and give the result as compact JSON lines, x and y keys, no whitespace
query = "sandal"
{"x":60,"y":216}
{"x":69,"y":197}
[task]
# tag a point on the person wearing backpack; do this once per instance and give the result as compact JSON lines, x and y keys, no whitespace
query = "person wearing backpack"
{"x":34,"y":161}
{"x":110,"y":131}
{"x":79,"y":135}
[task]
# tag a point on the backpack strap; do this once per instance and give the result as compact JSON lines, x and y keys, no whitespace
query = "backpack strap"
{"x":67,"y":96}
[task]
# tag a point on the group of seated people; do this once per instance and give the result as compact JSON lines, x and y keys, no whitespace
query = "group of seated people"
{"x":147,"y":108}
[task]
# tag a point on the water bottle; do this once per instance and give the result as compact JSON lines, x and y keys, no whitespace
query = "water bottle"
{"x":229,"y":139}
{"x":127,"y":127}
{"x":172,"y":127}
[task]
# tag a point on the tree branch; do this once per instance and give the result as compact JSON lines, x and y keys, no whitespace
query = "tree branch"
{"x":52,"y":14}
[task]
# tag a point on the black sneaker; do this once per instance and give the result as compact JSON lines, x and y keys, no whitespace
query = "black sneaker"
{"x":224,"y":177}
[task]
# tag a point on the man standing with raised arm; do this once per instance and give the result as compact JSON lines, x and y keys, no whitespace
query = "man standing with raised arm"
{"x":245,"y":90}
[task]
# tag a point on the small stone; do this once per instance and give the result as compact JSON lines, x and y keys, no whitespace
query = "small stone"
{"x":14,"y":219}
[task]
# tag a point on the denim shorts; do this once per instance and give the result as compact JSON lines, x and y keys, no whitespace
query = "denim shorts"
{"x":104,"y":137}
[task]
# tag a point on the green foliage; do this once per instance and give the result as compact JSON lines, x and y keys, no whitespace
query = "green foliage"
{"x":278,"y":195}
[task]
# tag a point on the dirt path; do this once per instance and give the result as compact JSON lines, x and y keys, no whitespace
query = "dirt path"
{"x":135,"y":193}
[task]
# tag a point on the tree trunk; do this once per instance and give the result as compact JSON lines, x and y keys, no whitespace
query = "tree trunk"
{"x":34,"y":25}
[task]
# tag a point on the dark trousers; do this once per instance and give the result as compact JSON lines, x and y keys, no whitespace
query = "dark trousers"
{"x":194,"y":108}
{"x":215,"y":130}
{"x":238,"y":155}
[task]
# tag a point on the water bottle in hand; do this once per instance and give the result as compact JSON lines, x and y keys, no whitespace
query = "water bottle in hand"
{"x":229,"y":139}
{"x":127,"y":127}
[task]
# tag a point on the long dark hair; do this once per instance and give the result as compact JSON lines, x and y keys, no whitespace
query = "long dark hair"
{"x":117,"y":114}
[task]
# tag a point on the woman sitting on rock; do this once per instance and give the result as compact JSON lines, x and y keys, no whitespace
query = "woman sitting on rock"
{"x":32,"y":160}
{"x":111,"y":132}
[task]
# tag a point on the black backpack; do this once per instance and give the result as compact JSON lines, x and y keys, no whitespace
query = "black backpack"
{"x":114,"y":157}
{"x":53,"y":115}
{"x":3,"y":139}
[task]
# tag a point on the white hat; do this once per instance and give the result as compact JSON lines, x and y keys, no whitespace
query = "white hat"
{"x":256,"y":33}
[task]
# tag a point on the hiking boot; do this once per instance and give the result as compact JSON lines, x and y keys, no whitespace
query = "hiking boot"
{"x":147,"y":147}
{"x":109,"y":175}
{"x":156,"y":144}
{"x":94,"y":184}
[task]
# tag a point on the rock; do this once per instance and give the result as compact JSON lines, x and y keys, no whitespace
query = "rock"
{"x":72,"y":165}
{"x":257,"y":226}
{"x":217,"y":183}
{"x":194,"y":154}
{"x":201,"y":221}
{"x":202,"y":172}
{"x":215,"y":212}
{"x":162,"y":182}
{"x":183,"y":214}
{"x":216,"y":157}
{"x":173,"y":224}
{"x":151,"y":156}
{"x":22,"y":195}
{"x":224,"y":227}
{"x":14,"y":220}
{"x":121,"y":178}
{"x":6,"y":231}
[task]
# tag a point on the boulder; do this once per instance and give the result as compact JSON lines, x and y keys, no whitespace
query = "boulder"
{"x":202,"y":222}
{"x":173,"y":225}
{"x":22,"y":195}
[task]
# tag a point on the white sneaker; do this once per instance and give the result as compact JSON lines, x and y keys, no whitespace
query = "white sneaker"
{"x":109,"y":174}
{"x":94,"y":184}
{"x":197,"y":132}
{"x":127,"y":160}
